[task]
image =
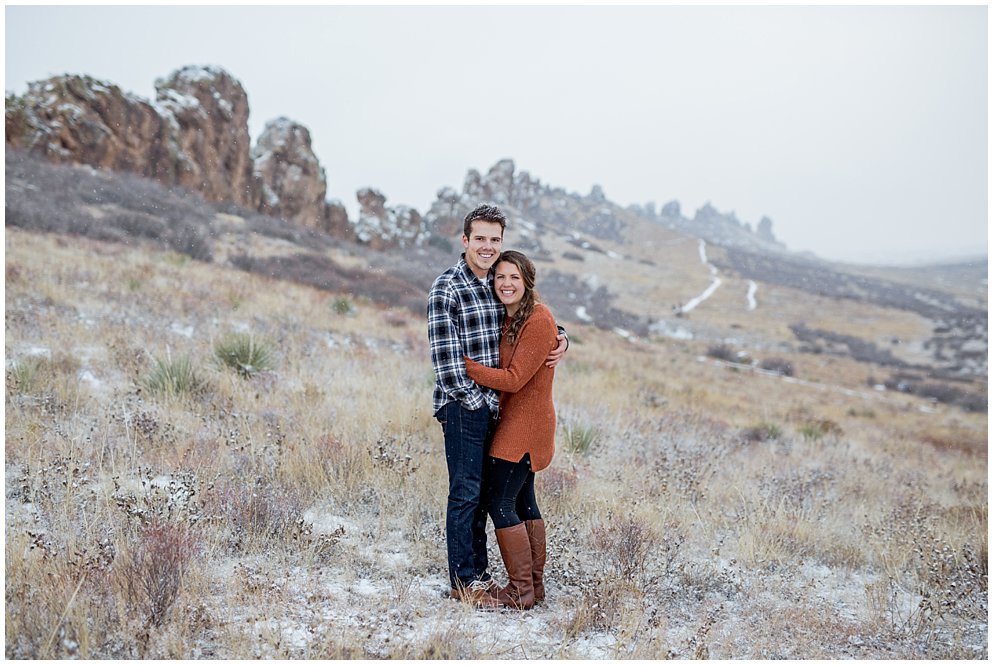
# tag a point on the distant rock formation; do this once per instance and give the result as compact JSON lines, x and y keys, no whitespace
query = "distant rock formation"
{"x":387,"y":228}
{"x":206,"y":110}
{"x":764,"y":230}
{"x":525,"y":197}
{"x":503,"y":185}
{"x":194,"y":135}
{"x":77,"y":119}
{"x":716,"y":227}
{"x":336,"y":220}
{"x":293,"y":182}
{"x":671,"y":210}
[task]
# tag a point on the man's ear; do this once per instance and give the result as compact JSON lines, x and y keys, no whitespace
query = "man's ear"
{"x":465,"y":241}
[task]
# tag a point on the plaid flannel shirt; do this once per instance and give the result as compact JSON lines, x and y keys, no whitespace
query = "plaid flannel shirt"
{"x":464,"y":319}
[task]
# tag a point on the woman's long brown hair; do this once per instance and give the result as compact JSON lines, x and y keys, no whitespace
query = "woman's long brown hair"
{"x":524,"y":310}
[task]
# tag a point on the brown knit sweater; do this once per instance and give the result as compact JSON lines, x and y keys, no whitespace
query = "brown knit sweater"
{"x":527,"y":415}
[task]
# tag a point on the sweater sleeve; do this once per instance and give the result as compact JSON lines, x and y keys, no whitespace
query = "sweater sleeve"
{"x":537,"y":339}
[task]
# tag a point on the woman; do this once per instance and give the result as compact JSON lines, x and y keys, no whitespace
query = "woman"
{"x":524,"y":441}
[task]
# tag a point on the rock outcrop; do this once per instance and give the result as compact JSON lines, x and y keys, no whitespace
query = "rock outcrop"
{"x":194,"y":135}
{"x":387,"y":228}
{"x":764,"y":230}
{"x":293,"y":182}
{"x":503,"y":185}
{"x":77,"y":119}
{"x":207,"y":112}
{"x":527,"y":199}
{"x":336,"y":220}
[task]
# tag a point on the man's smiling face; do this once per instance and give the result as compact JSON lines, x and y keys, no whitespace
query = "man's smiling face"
{"x":482,"y":246}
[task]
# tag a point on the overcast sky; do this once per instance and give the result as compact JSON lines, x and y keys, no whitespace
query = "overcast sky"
{"x":862,"y":132}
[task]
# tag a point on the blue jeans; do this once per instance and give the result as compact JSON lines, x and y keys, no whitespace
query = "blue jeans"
{"x":467,"y":434}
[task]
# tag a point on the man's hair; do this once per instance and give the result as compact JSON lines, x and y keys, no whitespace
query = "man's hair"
{"x":485,"y":213}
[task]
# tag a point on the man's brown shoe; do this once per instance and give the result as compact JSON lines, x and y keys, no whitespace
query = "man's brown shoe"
{"x":491,"y":586}
{"x":478,"y":595}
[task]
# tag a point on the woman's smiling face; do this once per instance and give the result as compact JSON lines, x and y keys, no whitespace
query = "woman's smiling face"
{"x":509,"y":284}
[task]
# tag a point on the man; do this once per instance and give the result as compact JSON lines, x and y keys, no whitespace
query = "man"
{"x":465,"y":319}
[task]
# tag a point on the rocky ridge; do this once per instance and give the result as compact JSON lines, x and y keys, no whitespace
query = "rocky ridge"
{"x":195,"y":135}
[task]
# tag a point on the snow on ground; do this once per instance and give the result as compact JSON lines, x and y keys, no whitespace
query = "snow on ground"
{"x":702,"y":247}
{"x":714,"y":285}
{"x":750,"y":296}
{"x":582,"y":315}
{"x":661,"y":327}
{"x":692,"y":304}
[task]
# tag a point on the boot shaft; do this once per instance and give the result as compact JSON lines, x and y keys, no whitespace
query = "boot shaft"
{"x":515,"y":547}
{"x":536,"y":537}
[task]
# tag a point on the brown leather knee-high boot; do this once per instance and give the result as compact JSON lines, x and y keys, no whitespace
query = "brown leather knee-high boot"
{"x":536,"y":536}
{"x":515,"y":546}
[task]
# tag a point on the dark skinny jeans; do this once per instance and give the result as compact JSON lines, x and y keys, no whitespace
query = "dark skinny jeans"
{"x":467,"y":434}
{"x":509,"y":494}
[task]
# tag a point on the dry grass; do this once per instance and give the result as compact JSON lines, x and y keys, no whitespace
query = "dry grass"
{"x":298,"y":512}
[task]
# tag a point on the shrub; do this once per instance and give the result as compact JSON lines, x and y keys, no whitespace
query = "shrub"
{"x":598,"y":608}
{"x":174,"y":377}
{"x":912,"y":384}
{"x":946,"y":394}
{"x":722,"y":352}
{"x":244,"y":353}
{"x":555,"y":481}
{"x":627,"y":544}
{"x":152,"y":578}
{"x":256,"y":511}
{"x":395,"y":318}
{"x":818,"y":429}
{"x":441,"y":242}
{"x":778,"y":365}
{"x":762,"y":432}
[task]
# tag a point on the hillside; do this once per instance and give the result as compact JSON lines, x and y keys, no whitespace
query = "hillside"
{"x":643,"y":273}
{"x":732,"y":478}
{"x":613,"y":268}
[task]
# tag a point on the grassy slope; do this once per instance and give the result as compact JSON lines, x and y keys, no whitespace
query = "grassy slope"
{"x":720,"y":512}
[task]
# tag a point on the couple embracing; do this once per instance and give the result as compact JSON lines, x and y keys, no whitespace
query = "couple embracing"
{"x":494,"y":347}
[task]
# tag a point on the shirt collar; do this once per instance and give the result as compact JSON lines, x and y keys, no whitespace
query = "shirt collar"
{"x":469,"y":275}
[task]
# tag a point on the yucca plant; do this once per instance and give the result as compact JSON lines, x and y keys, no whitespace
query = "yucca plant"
{"x":763,"y":432}
{"x":581,"y":438}
{"x":174,"y":377}
{"x":22,"y":377}
{"x":343,"y":306}
{"x":244,"y":353}
{"x":818,"y":429}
